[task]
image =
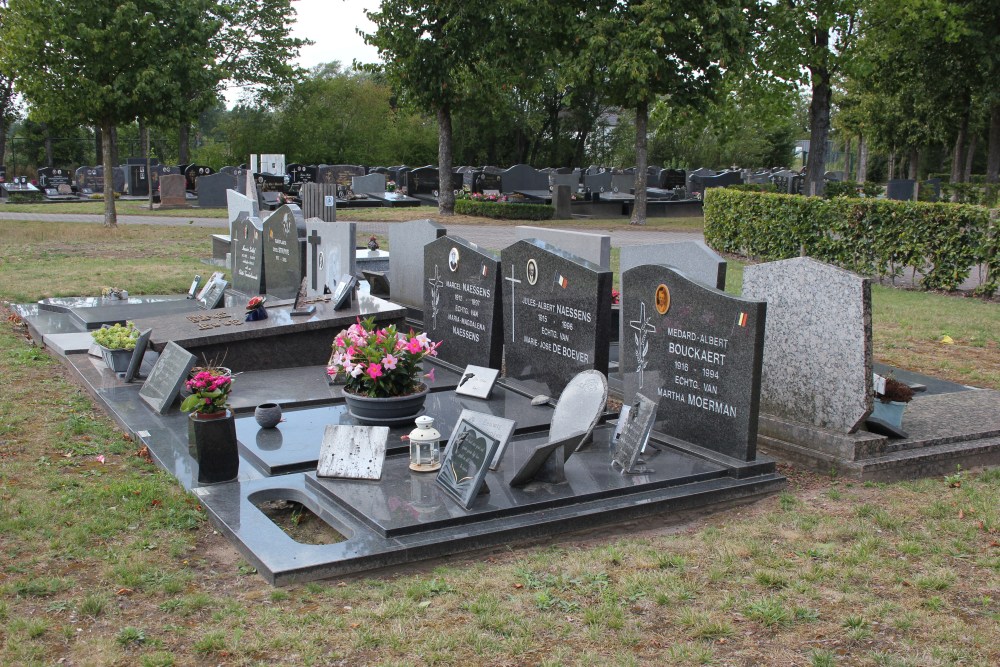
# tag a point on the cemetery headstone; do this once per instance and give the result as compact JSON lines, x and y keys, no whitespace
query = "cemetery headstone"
{"x":622,"y":183}
{"x":597,"y":182}
{"x":329,"y":253}
{"x":697,"y":352}
{"x":406,"y":265}
{"x":319,"y":200}
{"x":172,"y":191}
{"x":595,"y":248}
{"x":193,"y":172}
{"x":138,"y":180}
{"x":461,"y":301}
{"x":370,"y":183}
{"x":213,"y":189}
{"x":165,"y":379}
{"x":818,"y":348}
{"x":557,"y":315}
{"x":523,"y":177}
{"x":339,"y":174}
{"x":248,"y":256}
{"x":484,"y":181}
{"x":901,"y":189}
{"x":283,"y":254}
{"x":301,"y":173}
{"x":562,"y":202}
{"x":692,"y":258}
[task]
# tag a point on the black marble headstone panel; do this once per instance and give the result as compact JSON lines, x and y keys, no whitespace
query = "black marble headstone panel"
{"x":698,"y":353}
{"x":212,"y":189}
{"x":340,"y":174}
{"x":302,"y":173}
{"x":484,"y":180}
{"x":248,"y":256}
{"x":422,"y":181}
{"x":193,"y":172}
{"x":462,"y":302}
{"x":523,"y":177}
{"x":556,"y":315}
{"x":900,"y":189}
{"x":284,"y":261}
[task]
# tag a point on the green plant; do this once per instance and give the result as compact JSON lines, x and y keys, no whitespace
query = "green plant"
{"x":130,"y":635}
{"x":504,"y":211}
{"x":117,"y":337}
{"x":380,"y":363}
{"x":209,"y":392}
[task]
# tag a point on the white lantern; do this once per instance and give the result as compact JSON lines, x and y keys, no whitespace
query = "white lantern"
{"x":425,"y":446}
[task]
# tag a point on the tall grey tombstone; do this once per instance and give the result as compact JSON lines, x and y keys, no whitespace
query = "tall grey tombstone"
{"x":572,"y":180}
{"x":562,"y":202}
{"x":696,"y":351}
{"x":329,"y":253}
{"x":284,"y":254}
{"x":523,"y":177}
{"x":248,"y":255}
{"x":622,"y":183}
{"x":212,"y":189}
{"x":556,"y":315}
{"x":406,"y":259}
{"x":237,"y":204}
{"x":818,"y":347}
{"x":597,"y":182}
{"x":462,"y":302}
{"x":901,"y":189}
{"x":595,"y":248}
{"x":319,"y":200}
{"x":370,"y":183}
{"x":694,"y":259}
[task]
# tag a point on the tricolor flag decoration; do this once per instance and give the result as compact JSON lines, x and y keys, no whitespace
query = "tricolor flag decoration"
{"x":562,"y":281}
{"x":742,"y":320}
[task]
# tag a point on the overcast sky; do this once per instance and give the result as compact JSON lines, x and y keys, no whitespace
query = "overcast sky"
{"x":332,"y":25}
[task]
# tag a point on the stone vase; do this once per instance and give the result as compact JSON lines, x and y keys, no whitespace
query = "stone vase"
{"x":890,"y":413}
{"x":116,"y":360}
{"x":268,"y":415}
{"x":213,"y":445}
{"x":391,"y":411}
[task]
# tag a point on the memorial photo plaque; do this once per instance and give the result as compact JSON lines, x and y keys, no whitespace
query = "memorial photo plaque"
{"x":466,"y":462}
{"x":166,"y":378}
{"x":636,"y":427}
{"x":477,"y":381}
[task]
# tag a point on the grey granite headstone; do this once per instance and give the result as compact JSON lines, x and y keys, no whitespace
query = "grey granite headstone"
{"x":319,"y":200}
{"x":572,"y":180}
{"x":818,"y":348}
{"x":461,"y":302}
{"x":213,"y":189}
{"x":557,"y":315}
{"x":595,"y":248}
{"x":597,"y":182}
{"x":169,"y":373}
{"x":692,"y":258}
{"x":370,"y":183}
{"x":901,"y":189}
{"x":284,"y":256}
{"x":248,"y":256}
{"x":697,"y":351}
{"x":406,"y":264}
{"x":523,"y":177}
{"x":329,"y":253}
{"x":623,"y":183}
{"x":173,"y":190}
{"x":561,"y":201}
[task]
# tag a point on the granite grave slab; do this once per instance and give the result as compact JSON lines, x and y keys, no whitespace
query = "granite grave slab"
{"x":284,"y":253}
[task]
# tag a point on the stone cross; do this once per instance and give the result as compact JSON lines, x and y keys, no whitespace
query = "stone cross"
{"x":642,"y":328}
{"x":436,"y":284}
{"x":314,"y":241}
{"x":512,"y":280}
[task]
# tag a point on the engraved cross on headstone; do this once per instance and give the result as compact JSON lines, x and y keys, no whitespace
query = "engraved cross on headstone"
{"x":512,"y":280}
{"x":314,"y":241}
{"x":642,"y":329}
{"x":436,"y":284}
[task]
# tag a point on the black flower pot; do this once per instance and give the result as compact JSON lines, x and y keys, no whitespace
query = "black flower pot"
{"x":213,"y":441}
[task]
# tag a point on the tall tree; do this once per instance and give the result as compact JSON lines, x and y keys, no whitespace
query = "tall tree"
{"x":643,"y":49}
{"x":7,"y":106}
{"x":89,"y":61}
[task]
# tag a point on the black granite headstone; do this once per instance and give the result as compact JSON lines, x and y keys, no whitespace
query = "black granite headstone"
{"x":339,"y":174}
{"x":212,"y":189}
{"x":900,"y":189}
{"x":697,"y":352}
{"x":556,"y":313}
{"x":462,"y":302}
{"x":248,"y":256}
{"x":523,"y":177}
{"x":284,"y":260}
{"x":465,"y":463}
{"x":165,"y":380}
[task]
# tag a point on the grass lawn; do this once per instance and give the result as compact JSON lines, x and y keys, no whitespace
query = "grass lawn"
{"x":105,"y":560}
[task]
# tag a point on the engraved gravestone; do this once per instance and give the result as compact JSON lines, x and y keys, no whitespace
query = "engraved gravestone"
{"x":339,"y":174}
{"x":248,"y":256}
{"x":595,"y":248}
{"x":697,"y":351}
{"x":465,"y":462}
{"x":329,"y":253}
{"x":406,"y":264}
{"x":213,"y":189}
{"x":597,"y":182}
{"x":283,"y":253}
{"x":172,"y":191}
{"x":556,"y":315}
{"x":371,"y":183}
{"x":165,"y":379}
{"x":523,"y":177}
{"x":462,"y":302}
{"x":818,"y":349}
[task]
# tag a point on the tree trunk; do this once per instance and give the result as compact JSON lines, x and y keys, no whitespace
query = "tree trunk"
{"x":958,"y":155}
{"x":641,"y":126}
{"x":446,"y":194}
{"x":143,"y":139}
{"x":848,"y":145}
{"x":48,"y":145}
{"x":98,"y":146}
{"x":862,"y":159}
{"x":819,"y":118}
{"x":993,"y":152}
{"x":183,"y":141}
{"x":969,"y":155}
{"x":110,"y":216}
{"x":914,"y":164}
{"x":892,"y":165}
{"x":6,"y":93}
{"x":114,"y":145}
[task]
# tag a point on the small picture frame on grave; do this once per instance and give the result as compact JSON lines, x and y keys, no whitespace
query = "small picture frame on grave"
{"x":135,"y":363}
{"x":345,"y":289}
{"x":465,"y":463}
{"x":477,"y":381}
{"x":214,"y":292}
{"x":194,"y":286}
{"x":634,"y":436}
{"x":208,"y":283}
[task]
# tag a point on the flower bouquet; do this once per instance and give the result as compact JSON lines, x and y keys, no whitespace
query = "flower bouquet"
{"x":256,"y":310}
{"x":209,"y":392}
{"x":380,"y":363}
{"x":117,"y":343}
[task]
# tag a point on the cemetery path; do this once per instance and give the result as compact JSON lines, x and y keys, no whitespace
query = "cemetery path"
{"x":488,"y":236}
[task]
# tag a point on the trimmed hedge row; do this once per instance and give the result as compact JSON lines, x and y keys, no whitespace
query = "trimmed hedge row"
{"x":500,"y":211}
{"x":868,"y":236}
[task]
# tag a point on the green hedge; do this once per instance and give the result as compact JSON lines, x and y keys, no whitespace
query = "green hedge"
{"x":869,"y":236}
{"x":502,"y":211}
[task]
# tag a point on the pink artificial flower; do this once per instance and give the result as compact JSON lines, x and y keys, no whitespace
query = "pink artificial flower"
{"x":430,"y":376}
{"x":374,"y":371}
{"x":389,"y":362}
{"x":424,"y":341}
{"x":413,"y":347}
{"x":100,"y":458}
